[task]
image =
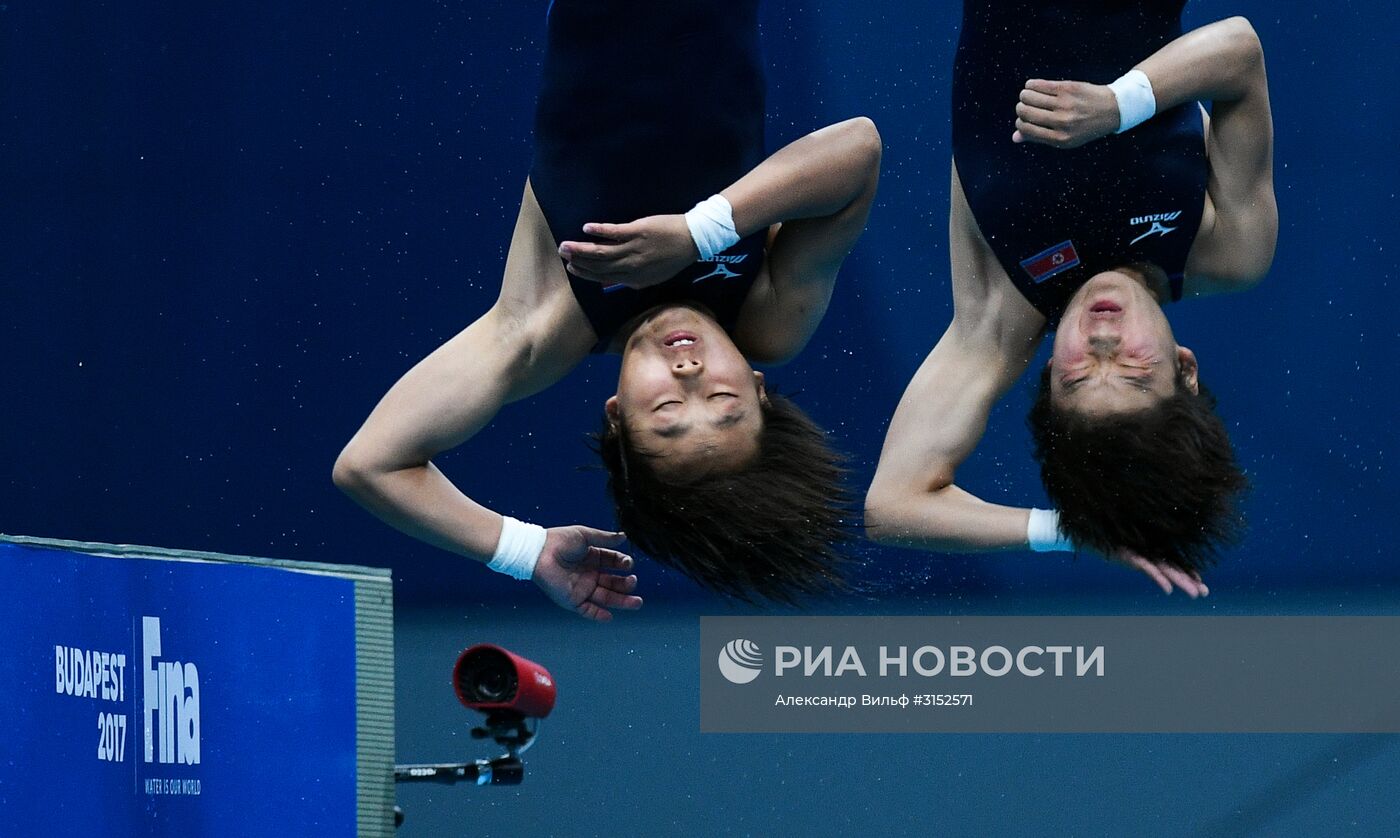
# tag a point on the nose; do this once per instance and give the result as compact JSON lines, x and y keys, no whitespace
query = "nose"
{"x":687,"y":367}
{"x":1104,"y":344}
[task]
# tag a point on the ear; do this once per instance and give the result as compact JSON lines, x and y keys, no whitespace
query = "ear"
{"x":1190,"y":370}
{"x":613,"y":411}
{"x":762,"y":389}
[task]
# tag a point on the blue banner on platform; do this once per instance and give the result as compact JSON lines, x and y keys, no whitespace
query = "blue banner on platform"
{"x":154,"y":695}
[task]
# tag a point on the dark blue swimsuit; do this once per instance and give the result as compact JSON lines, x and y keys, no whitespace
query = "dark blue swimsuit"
{"x":646,"y":108}
{"x":1056,"y":217}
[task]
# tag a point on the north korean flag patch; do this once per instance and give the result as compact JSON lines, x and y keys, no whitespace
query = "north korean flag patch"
{"x":1052,"y":260}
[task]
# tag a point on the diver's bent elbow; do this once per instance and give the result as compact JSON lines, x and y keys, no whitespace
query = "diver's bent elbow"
{"x":346,"y":474}
{"x":1245,"y":41}
{"x":870,"y":147}
{"x":354,"y":470}
{"x":880,"y":518}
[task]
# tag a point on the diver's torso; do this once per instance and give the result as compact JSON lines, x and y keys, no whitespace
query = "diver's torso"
{"x":646,"y":108}
{"x":1056,"y":217}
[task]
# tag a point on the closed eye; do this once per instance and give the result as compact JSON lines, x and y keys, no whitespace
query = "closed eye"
{"x":664,"y":404}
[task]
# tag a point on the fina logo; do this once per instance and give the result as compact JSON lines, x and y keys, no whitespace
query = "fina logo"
{"x":740,"y":661}
{"x":170,"y":702}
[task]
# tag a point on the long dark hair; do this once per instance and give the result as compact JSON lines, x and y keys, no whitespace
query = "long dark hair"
{"x":772,"y":530}
{"x":1162,"y":482}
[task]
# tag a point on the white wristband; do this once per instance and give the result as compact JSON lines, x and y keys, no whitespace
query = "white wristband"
{"x":519,"y":548}
{"x":711,"y":224}
{"x":1043,"y":532}
{"x":1136,"y":102}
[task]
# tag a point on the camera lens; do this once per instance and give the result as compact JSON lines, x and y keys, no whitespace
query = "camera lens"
{"x":493,"y":685}
{"x":487,"y":676}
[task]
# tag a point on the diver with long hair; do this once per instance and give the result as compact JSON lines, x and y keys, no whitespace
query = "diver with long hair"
{"x":1106,"y":199}
{"x":645,"y":110}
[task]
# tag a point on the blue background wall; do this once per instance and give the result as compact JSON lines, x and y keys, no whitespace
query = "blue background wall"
{"x":227,"y":228}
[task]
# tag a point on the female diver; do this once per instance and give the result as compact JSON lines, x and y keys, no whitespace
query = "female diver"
{"x":1105,"y":200}
{"x":645,"y":109}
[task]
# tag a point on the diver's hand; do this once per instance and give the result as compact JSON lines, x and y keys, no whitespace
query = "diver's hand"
{"x":1163,"y":574}
{"x":643,"y":253}
{"x":1065,"y":114}
{"x":577,"y":569}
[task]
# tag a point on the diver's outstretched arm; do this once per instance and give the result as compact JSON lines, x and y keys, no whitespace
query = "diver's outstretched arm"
{"x":913,"y":501}
{"x":531,"y":338}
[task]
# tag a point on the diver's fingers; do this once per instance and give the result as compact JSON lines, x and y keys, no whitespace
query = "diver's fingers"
{"x":616,"y":232}
{"x":1036,"y":99}
{"x":589,"y":611}
{"x":610,"y":559}
{"x":1049,"y":88}
{"x":589,"y":252}
{"x":1151,"y":570}
{"x":620,"y":584}
{"x":1182,"y":580}
{"x":1039,"y":134}
{"x":604,"y":597}
{"x":1038,"y":116}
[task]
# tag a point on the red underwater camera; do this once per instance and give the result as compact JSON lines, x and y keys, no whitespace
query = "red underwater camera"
{"x":490,"y":679}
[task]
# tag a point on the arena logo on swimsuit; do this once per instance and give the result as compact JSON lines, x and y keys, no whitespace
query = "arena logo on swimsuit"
{"x":170,"y":699}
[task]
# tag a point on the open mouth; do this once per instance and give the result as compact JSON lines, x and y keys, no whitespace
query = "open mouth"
{"x":1105,"y":307}
{"x":676,"y":339}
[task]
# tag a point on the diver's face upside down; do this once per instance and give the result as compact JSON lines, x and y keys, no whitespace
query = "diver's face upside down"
{"x":1114,"y":351}
{"x":687,"y":396}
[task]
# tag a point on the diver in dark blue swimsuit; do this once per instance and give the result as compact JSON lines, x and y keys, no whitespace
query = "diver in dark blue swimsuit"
{"x":652,"y":224}
{"x":1056,"y":217}
{"x":1081,"y":203}
{"x":687,"y":122}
